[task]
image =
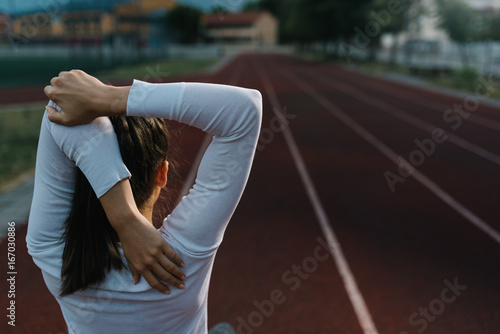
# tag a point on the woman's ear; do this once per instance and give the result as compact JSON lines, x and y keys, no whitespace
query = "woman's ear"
{"x":161,"y":177}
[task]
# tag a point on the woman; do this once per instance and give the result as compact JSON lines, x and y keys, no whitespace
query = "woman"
{"x":91,"y":245}
{"x":194,"y":229}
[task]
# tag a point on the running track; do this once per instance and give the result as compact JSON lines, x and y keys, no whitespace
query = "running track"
{"x":423,"y":258}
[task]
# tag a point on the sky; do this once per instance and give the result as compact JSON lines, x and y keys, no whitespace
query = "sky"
{"x":16,"y":6}
{"x":232,"y":5}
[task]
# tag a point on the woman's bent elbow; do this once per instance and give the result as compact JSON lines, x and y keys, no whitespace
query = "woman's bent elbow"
{"x":256,"y":106}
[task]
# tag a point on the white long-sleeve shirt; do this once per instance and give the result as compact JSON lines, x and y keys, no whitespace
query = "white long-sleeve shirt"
{"x":194,"y":229}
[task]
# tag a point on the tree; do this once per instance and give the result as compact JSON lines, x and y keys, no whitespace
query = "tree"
{"x":300,"y":22}
{"x":325,"y":20}
{"x":458,"y":20}
{"x":392,"y":20}
{"x":279,"y":8}
{"x":306,"y":21}
{"x":494,"y":27}
{"x":490,"y":32}
{"x":186,"y":21}
{"x":273,"y":6}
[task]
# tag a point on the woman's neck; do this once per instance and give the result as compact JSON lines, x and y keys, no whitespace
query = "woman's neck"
{"x":147,"y":207}
{"x":147,"y":212}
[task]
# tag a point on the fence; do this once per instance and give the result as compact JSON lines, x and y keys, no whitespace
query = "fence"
{"x":482,"y":56}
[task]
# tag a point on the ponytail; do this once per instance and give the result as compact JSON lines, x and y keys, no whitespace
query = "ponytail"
{"x":91,"y":244}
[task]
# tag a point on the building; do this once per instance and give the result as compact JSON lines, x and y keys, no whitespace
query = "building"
{"x":242,"y":28}
{"x":482,"y":4}
{"x":5,"y":25}
{"x":423,"y":22}
{"x":138,"y":22}
{"x":87,"y":27}
{"x":146,"y":18}
{"x":37,"y":27}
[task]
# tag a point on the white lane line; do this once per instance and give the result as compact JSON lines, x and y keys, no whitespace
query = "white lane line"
{"x":407,"y":118}
{"x":379,"y":145}
{"x":431,"y":105}
{"x":355,"y":296}
{"x":191,"y":177}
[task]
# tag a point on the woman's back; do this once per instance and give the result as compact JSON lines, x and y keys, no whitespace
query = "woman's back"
{"x":194,"y":229}
{"x":119,"y":306}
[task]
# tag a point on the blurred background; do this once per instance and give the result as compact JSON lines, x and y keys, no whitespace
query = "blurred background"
{"x":448,"y":42}
{"x":384,"y":62}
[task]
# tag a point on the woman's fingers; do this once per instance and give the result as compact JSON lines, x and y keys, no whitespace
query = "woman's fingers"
{"x":168,"y":251}
{"x":53,"y":81}
{"x":172,"y":270}
{"x":58,"y":117}
{"x":154,"y":282}
{"x":48,"y":90}
{"x":135,"y":274}
{"x":75,"y":92}
{"x":166,"y":276}
{"x":54,"y":115}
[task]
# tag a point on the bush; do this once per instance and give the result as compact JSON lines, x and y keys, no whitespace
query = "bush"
{"x":465,"y":78}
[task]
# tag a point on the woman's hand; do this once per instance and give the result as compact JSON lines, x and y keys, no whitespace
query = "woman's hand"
{"x":142,"y":245}
{"x":83,"y":98}
{"x":145,"y":251}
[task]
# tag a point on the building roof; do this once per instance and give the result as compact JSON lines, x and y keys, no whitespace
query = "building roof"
{"x":103,"y":5}
{"x":4,"y":18}
{"x":147,"y":6}
{"x":4,"y":24}
{"x":231,"y":19}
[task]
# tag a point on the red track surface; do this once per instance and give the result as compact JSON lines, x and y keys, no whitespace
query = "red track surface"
{"x":404,"y":248}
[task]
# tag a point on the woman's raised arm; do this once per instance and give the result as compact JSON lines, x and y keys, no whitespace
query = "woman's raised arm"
{"x":232,"y":114}
{"x":143,"y":247}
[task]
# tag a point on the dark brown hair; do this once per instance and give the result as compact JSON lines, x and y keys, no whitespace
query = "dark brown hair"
{"x":91,"y":243}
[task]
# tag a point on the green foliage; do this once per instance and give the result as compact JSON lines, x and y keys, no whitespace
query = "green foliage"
{"x":464,"y":79}
{"x":186,"y":21}
{"x":279,"y":8}
{"x":276,"y":7}
{"x":467,"y":75}
{"x":396,"y":21}
{"x":305,"y":21}
{"x":346,"y":15}
{"x":458,"y":20}
{"x":20,"y":71}
{"x":300,"y":23}
{"x":19,"y":130}
{"x":494,"y":27}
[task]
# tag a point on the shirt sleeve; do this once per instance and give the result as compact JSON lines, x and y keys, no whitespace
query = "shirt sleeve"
{"x":94,"y":149}
{"x":233,"y":115}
